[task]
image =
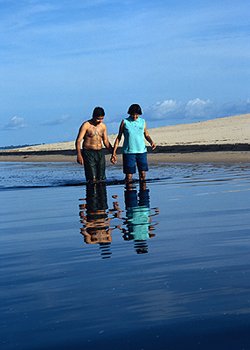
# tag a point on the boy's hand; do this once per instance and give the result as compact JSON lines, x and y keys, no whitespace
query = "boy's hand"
{"x":113,"y":159}
{"x":153,"y":145}
{"x":80,"y":159}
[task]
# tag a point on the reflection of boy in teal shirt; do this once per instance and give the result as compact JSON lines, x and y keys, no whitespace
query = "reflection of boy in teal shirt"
{"x":138,"y":223}
{"x":138,"y":219}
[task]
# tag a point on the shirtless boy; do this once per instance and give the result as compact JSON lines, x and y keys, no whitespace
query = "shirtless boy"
{"x":91,"y":135}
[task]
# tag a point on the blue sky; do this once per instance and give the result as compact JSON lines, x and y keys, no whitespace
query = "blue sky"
{"x":183,"y":61}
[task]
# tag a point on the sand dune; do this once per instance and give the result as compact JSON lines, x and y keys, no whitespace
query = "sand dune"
{"x":228,"y":130}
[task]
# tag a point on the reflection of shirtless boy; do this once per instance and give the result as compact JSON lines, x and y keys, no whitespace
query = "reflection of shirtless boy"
{"x":89,"y":141}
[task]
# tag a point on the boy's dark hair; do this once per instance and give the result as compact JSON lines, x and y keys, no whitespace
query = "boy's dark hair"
{"x":134,"y":109}
{"x":98,"y":112}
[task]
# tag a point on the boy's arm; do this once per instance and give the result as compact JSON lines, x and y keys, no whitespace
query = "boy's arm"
{"x":148,"y":138}
{"x":113,"y":158}
{"x":118,"y":139}
{"x":105,"y":140}
{"x":78,"y":143}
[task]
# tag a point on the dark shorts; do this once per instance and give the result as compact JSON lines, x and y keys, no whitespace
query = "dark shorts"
{"x":130,"y":160}
{"x":133,"y":200}
{"x":94,"y":164}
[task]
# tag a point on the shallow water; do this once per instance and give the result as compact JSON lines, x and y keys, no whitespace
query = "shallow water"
{"x":161,"y":267}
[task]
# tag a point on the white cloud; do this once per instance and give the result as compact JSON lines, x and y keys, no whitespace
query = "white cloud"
{"x":178,"y":109}
{"x":15,"y":123}
{"x":198,"y":108}
{"x":161,"y":110}
{"x":166,"y":106}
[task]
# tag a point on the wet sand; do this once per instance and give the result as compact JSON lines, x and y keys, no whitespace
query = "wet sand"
{"x":185,"y":285}
{"x":153,"y":158}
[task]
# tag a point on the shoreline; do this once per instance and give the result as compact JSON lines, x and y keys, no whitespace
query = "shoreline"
{"x":156,"y":158}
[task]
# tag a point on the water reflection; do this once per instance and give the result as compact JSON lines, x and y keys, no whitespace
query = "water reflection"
{"x":138,"y":222}
{"x":94,"y":217}
{"x":134,"y":223}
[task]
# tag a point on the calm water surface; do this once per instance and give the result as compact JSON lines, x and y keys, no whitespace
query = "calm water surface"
{"x":164,"y":266}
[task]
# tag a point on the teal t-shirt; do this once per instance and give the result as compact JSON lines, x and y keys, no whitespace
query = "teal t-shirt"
{"x":138,"y":222}
{"x":134,"y":136}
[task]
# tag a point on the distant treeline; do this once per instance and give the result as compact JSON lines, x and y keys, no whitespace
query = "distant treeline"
{"x":21,"y":146}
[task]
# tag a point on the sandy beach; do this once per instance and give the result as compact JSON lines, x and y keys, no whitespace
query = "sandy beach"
{"x":218,"y":140}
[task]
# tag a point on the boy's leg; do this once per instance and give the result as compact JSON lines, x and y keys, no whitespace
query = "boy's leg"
{"x":142,"y":164}
{"x":129,"y":167}
{"x":142,"y":175}
{"x":89,"y":165}
{"x":100,"y":166}
{"x":128,"y":178}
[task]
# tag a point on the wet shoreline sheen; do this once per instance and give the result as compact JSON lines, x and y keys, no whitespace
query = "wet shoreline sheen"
{"x":235,"y":155}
